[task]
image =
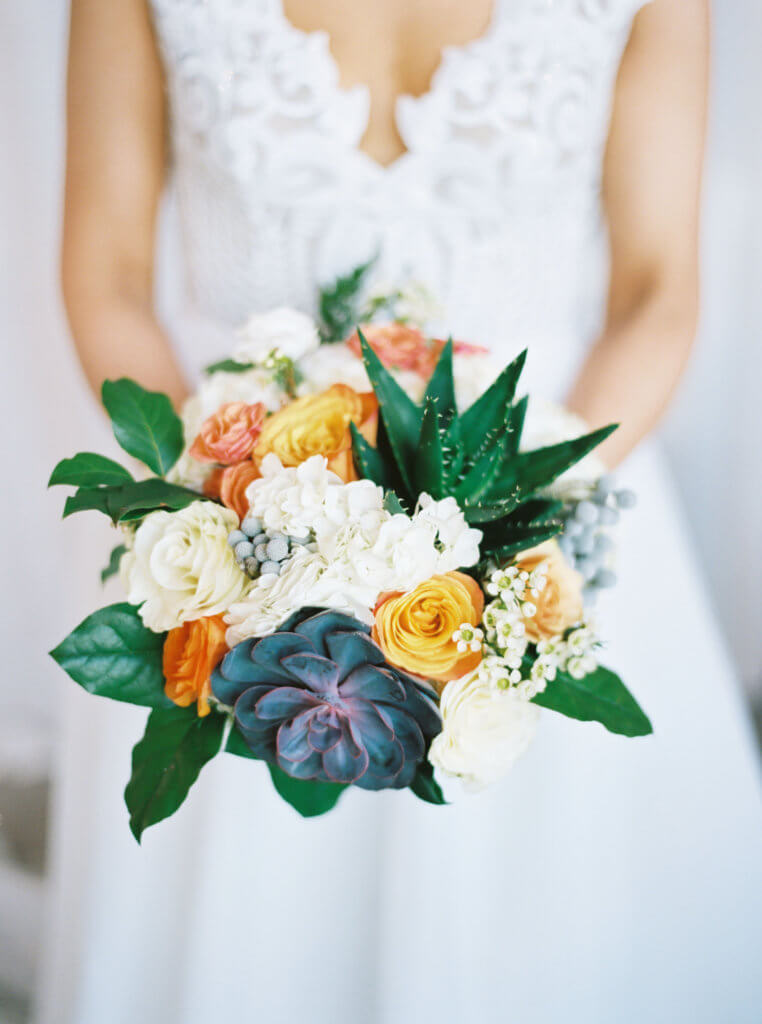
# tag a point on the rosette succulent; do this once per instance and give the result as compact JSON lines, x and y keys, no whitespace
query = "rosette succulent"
{"x":318,"y":699}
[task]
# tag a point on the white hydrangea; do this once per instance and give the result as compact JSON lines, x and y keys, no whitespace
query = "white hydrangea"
{"x":359,"y":551}
{"x":283,"y":331}
{"x":180,"y":566}
{"x":485,"y":728}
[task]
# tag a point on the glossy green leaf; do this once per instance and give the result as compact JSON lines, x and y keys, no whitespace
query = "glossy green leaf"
{"x":89,"y":470}
{"x":144,"y":424}
{"x":166,"y":762}
{"x":136,"y":500}
{"x":113,"y":563}
{"x":88,"y":499}
{"x":112,"y":654}
{"x":308,"y":798}
{"x":425,"y":786}
{"x":599,"y":697}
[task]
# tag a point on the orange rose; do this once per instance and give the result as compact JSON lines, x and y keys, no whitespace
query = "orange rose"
{"x":191,"y":653}
{"x":414,"y":630}
{"x":559,"y":603}
{"x":319,"y":425}
{"x":233,"y":484}
{"x":229,"y":435}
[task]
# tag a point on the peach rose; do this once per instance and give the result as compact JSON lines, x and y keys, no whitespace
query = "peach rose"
{"x":319,"y":425}
{"x":559,"y":603}
{"x":414,"y":630}
{"x":401,"y":347}
{"x":191,"y":653}
{"x":229,"y":435}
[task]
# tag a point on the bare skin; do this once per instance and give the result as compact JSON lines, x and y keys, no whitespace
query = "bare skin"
{"x":652,"y":179}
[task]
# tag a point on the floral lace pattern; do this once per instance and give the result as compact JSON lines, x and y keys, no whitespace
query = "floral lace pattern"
{"x":495,"y":203}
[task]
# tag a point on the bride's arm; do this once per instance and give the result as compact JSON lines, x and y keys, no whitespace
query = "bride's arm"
{"x":652,"y":178}
{"x":114,"y":175}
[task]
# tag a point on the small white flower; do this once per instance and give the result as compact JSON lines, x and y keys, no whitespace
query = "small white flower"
{"x":283,"y":331}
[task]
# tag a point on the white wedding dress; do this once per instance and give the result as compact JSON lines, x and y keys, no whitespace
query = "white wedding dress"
{"x":606,"y":879}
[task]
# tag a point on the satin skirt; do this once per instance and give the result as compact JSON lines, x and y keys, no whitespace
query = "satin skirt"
{"x":604,"y":879}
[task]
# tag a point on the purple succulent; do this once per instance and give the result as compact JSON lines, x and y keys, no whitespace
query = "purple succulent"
{"x":318,"y":699}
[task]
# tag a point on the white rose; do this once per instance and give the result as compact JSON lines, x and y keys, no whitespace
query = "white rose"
{"x":484,"y":730}
{"x":181,"y":566}
{"x":291,"y":333}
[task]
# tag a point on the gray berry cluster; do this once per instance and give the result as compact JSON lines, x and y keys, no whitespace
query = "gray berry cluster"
{"x":585,"y":540}
{"x":259,"y":551}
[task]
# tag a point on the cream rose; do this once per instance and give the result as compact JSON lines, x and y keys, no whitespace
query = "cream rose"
{"x":181,"y":566}
{"x":559,"y":603}
{"x":484,"y":730}
{"x":286,"y":331}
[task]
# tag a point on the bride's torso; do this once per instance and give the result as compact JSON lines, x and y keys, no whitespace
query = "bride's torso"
{"x":495,"y":204}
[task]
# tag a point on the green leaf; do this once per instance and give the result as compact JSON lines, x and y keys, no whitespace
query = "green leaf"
{"x":368,"y":459}
{"x":113,"y":563}
{"x":88,"y":499}
{"x":339,"y":304}
{"x":425,"y":786}
{"x":401,"y":416}
{"x":136,"y":500}
{"x":516,"y":540}
{"x":166,"y":762}
{"x":487,"y":414}
{"x":308,"y":798}
{"x":89,"y":470}
{"x":132,"y":501}
{"x":112,"y":654}
{"x":228,"y":366}
{"x":441,"y":387}
{"x":429,"y":461}
{"x":600,"y":697}
{"x":144,"y":424}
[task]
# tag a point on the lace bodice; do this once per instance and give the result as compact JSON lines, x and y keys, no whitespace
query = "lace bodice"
{"x":495,"y":204}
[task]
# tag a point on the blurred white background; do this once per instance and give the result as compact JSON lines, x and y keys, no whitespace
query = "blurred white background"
{"x":713,"y":434}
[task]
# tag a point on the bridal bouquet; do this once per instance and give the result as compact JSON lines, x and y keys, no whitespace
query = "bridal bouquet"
{"x":348,"y":562}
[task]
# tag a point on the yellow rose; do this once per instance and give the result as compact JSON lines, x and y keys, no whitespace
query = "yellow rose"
{"x":559,"y":603}
{"x":414,"y":630}
{"x":319,"y":425}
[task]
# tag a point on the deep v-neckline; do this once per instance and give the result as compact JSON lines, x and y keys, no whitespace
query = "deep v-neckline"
{"x":400,"y":98}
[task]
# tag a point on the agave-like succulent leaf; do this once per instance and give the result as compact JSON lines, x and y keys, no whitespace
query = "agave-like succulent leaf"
{"x":474,"y":456}
{"x":318,"y":699}
{"x":487,"y":414}
{"x":429,"y":462}
{"x":441,"y":387}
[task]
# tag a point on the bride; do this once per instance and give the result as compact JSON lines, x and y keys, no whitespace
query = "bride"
{"x":477,"y":145}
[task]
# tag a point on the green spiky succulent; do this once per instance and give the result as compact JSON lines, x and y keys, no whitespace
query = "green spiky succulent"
{"x":473,"y":456}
